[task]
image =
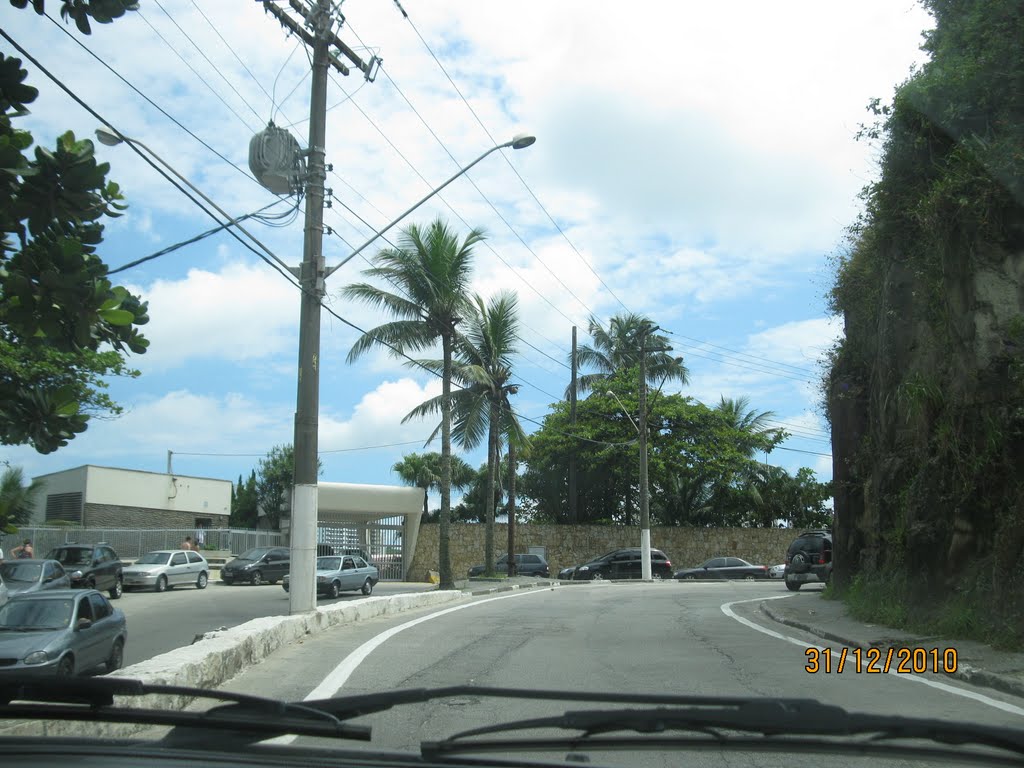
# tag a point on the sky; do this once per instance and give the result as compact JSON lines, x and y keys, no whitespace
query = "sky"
{"x":695,"y":163}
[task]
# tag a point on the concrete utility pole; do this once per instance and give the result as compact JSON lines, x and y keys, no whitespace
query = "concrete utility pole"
{"x":645,"y":511}
{"x":572,"y":421}
{"x":318,"y":33}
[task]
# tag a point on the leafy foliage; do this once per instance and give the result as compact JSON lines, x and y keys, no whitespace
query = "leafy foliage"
{"x":275,"y":478}
{"x":80,"y":11}
{"x":56,"y":305}
{"x":244,"y":503}
{"x":17,"y":500}
{"x":423,"y":470}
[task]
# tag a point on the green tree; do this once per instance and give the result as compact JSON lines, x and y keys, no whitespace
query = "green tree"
{"x":423,"y":470}
{"x":17,"y":500}
{"x":244,"y":503}
{"x":482,"y":369}
{"x":618,"y":348}
{"x":57,"y":307}
{"x":431,"y":270}
{"x":80,"y":11}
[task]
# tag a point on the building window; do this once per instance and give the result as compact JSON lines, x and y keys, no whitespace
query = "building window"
{"x":64,"y":506}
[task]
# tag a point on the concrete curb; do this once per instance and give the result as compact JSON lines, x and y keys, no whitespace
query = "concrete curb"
{"x":220,"y":655}
{"x":977,"y":677}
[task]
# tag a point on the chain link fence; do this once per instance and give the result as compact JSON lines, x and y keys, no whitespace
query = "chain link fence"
{"x":130,"y":543}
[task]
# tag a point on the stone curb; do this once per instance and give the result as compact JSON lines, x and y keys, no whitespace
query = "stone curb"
{"x":218,"y":656}
{"x":964,"y":672}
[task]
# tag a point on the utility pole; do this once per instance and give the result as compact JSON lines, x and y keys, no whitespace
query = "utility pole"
{"x":572,"y":421}
{"x":645,"y":513}
{"x":317,"y":31}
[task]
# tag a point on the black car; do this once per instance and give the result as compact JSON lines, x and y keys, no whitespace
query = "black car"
{"x":724,"y":568}
{"x":262,"y":565}
{"x":91,"y":566}
{"x":809,"y":559}
{"x":623,"y":564}
{"x":526,"y":565}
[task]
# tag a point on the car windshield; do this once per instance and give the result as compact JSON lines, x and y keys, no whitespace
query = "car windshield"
{"x":253,"y":554}
{"x":36,"y":613}
{"x":154,"y":558}
{"x":629,"y":285}
{"x":71,"y":555}
{"x":20,"y":572}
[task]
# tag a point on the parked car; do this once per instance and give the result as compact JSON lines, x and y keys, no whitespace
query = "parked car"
{"x":61,"y":632}
{"x":724,"y":568}
{"x":623,"y":564}
{"x":91,"y":566}
{"x":526,"y":565}
{"x":342,"y":573}
{"x":262,"y":565}
{"x":165,"y":569}
{"x":777,"y":571}
{"x":32,"y":575}
{"x":566,"y":573}
{"x":809,"y":559}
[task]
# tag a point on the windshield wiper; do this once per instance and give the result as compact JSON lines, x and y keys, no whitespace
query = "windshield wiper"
{"x":244,"y":719}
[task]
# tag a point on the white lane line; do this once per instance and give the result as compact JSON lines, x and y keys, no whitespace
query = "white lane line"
{"x":973,"y":695}
{"x":338,"y":676}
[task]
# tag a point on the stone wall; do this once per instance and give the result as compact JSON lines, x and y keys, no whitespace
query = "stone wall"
{"x":568,"y":545}
{"x":117,"y":516}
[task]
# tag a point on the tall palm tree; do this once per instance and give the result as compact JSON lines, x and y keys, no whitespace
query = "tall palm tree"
{"x":423,"y":470}
{"x":17,"y":500}
{"x":619,"y":347}
{"x":431,"y":269}
{"x":483,"y":369}
{"x":740,"y":416}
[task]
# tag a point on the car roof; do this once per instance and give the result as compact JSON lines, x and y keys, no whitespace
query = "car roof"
{"x":54,"y":594}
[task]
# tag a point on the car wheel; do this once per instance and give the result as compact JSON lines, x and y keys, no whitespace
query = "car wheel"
{"x":689,"y":576}
{"x":257,"y":578}
{"x":748,"y":577}
{"x":202,"y":580}
{"x":598,"y":576}
{"x":335,"y":590}
{"x":367,"y":587}
{"x":118,"y":589}
{"x":161,"y":584}
{"x":793,"y":586}
{"x":116,"y":656}
{"x":66,"y":667}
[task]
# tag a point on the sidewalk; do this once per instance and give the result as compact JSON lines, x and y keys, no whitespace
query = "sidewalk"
{"x":976,"y":663}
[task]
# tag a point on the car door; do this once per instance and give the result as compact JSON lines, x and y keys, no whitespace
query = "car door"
{"x":621,"y":565}
{"x":279,"y":566}
{"x":736,"y":568}
{"x":177,"y":568}
{"x":88,"y":641}
{"x":349,"y":576}
{"x":196,"y":565}
{"x":101,"y":569}
{"x":54,"y":576}
{"x":105,"y":624}
{"x":714,"y":568}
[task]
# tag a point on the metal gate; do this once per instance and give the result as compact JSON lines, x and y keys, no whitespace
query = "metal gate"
{"x":379,"y":540}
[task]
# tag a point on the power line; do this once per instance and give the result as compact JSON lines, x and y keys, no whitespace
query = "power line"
{"x":798,"y":369}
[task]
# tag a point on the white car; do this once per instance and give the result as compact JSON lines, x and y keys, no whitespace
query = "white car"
{"x":167,"y":568}
{"x":777,"y":571}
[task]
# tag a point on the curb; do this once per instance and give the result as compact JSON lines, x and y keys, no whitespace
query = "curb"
{"x":511,"y":587}
{"x":964,"y":672}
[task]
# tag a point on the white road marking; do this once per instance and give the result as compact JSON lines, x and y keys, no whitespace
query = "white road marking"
{"x":338,"y":676}
{"x":973,"y":695}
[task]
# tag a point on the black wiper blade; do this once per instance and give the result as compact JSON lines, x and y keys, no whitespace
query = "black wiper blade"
{"x":248,"y":718}
{"x":768,"y":717}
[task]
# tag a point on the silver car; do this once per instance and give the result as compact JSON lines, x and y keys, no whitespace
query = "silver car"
{"x":342,"y":573}
{"x":33,"y":575}
{"x":60,"y":632}
{"x":167,"y":568}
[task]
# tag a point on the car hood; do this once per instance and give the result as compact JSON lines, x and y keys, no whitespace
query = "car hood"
{"x":20,"y":644}
{"x":239,"y":563}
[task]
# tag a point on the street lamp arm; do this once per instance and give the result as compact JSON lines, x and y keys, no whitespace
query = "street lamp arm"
{"x":517,"y":143}
{"x":624,"y":410}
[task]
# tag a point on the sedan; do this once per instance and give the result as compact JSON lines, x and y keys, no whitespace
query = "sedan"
{"x":167,"y":568}
{"x":342,"y":574}
{"x":566,"y":573}
{"x":725,"y":568}
{"x":33,"y":575}
{"x":60,"y":633}
{"x":526,"y":565}
{"x":262,"y":565}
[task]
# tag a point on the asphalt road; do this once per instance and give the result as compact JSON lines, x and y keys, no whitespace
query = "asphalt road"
{"x":658,"y":638}
{"x":158,"y":623}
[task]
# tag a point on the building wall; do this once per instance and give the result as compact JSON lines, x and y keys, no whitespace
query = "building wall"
{"x":197,"y":496}
{"x":69,"y":481}
{"x":123,"y":516}
{"x":568,"y":545}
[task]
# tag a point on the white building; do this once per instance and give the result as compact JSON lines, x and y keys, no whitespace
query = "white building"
{"x":104,"y":497}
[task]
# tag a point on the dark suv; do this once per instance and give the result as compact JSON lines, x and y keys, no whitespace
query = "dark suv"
{"x":623,"y":564}
{"x":809,"y":559}
{"x":262,"y":565}
{"x":91,"y":566}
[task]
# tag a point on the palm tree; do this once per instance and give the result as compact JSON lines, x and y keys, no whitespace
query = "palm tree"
{"x":423,"y":470}
{"x":17,"y":500}
{"x":431,"y":269}
{"x":618,"y":348}
{"x":483,"y":369}
{"x":739,"y":416}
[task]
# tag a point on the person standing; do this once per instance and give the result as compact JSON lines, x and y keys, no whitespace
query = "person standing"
{"x":187,"y":544}
{"x":24,"y":551}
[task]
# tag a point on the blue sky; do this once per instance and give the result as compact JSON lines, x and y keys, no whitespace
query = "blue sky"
{"x":699,"y":159}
